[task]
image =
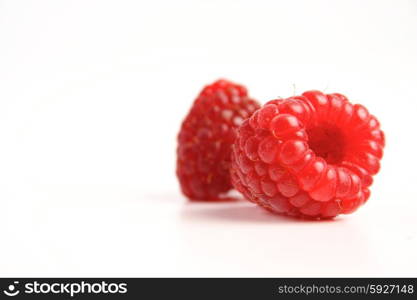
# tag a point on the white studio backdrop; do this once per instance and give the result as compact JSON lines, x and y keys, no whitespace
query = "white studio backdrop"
{"x":92,"y":94}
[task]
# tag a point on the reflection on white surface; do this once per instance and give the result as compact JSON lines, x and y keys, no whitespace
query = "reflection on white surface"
{"x":92,"y":230}
{"x":250,"y":240}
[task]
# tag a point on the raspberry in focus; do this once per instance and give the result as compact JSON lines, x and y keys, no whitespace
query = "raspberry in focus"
{"x":206,"y":138}
{"x":311,"y":156}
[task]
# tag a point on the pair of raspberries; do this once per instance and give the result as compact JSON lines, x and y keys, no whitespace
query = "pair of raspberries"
{"x":308,"y":156}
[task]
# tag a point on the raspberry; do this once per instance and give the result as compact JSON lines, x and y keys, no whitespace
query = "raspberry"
{"x":310,"y":156}
{"x":206,"y":138}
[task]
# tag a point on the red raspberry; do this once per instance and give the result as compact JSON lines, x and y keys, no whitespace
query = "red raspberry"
{"x":206,"y":138}
{"x":308,"y":156}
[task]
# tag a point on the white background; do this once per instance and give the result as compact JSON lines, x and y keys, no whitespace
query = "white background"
{"x":92,"y":94}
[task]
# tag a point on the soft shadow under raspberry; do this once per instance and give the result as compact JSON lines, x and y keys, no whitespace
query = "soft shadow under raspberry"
{"x":239,"y":211}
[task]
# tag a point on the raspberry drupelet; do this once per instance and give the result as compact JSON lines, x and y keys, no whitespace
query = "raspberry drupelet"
{"x":206,"y":138}
{"x":310,"y":156}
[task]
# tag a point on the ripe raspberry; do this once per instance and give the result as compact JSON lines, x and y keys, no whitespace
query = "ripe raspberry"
{"x":308,"y":156}
{"x":206,"y":138}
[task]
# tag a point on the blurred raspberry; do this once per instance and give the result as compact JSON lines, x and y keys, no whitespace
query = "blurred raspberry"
{"x":206,"y":137}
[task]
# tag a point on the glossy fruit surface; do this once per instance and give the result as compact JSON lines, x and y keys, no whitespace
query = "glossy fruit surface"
{"x":310,"y":156}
